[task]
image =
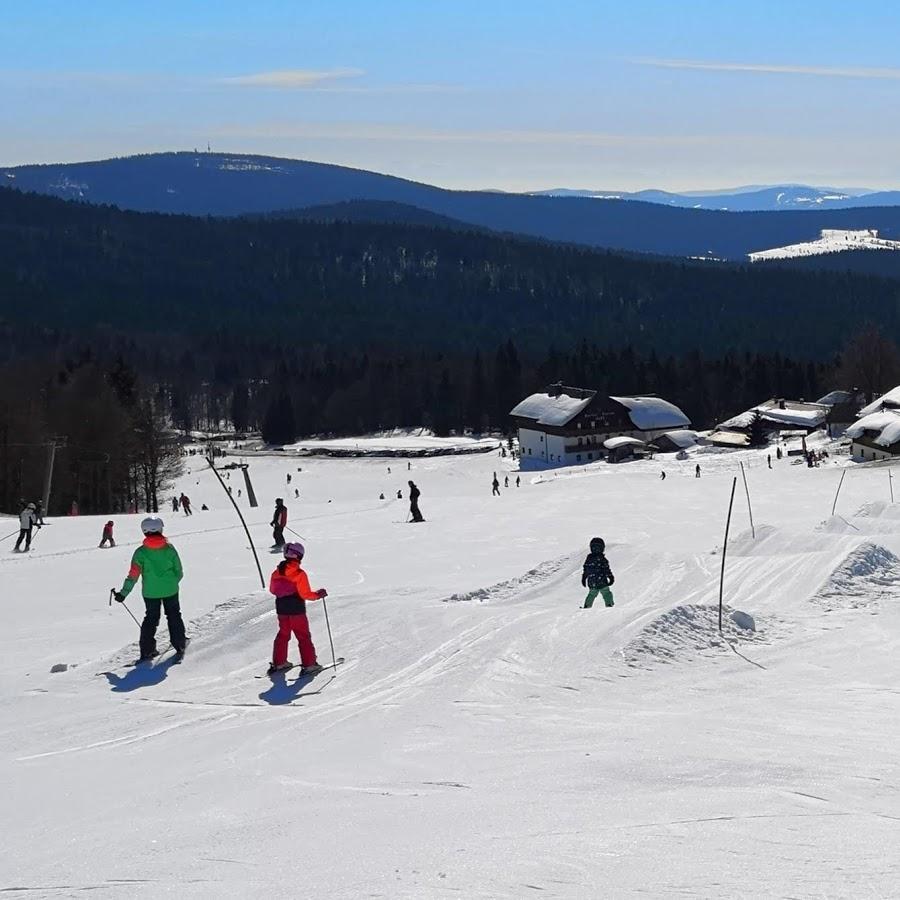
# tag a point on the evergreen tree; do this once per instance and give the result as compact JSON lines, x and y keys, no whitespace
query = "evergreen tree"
{"x":757,"y":432}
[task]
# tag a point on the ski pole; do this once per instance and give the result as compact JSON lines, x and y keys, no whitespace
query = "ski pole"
{"x":291,"y":530}
{"x":112,"y":594}
{"x":11,"y":534}
{"x":330,"y":641}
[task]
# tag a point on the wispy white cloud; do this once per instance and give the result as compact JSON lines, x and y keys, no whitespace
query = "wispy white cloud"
{"x":376,"y":131}
{"x":883,"y":72}
{"x":292,"y":79}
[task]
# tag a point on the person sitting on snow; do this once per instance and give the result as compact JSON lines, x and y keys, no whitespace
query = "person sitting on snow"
{"x":597,"y":575}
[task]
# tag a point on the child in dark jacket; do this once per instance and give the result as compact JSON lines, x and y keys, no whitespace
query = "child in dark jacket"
{"x":597,"y":575}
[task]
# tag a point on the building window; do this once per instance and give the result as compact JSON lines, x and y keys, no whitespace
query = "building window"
{"x":529,"y":451}
{"x":578,"y":458}
{"x":590,"y":455}
{"x":542,"y":439}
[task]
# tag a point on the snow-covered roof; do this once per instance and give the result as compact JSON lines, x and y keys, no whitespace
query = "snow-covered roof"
{"x":682,"y":438}
{"x":729,"y":438}
{"x":890,"y":400}
{"x":613,"y":442}
{"x":650,"y":413}
{"x":885,"y":425}
{"x":547,"y":409}
{"x":803,"y":415}
{"x":835,"y":397}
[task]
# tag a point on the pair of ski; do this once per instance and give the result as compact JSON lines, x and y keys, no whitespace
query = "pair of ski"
{"x":291,"y":666}
{"x":146,"y":660}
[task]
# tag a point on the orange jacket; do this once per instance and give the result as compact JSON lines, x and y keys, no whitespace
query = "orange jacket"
{"x":291,"y":581}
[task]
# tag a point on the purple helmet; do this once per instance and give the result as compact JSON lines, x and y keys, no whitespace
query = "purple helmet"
{"x":294,"y":550}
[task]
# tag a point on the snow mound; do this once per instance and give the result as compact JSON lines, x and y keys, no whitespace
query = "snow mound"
{"x":687,"y":632}
{"x":868,"y":575}
{"x":539,"y":577}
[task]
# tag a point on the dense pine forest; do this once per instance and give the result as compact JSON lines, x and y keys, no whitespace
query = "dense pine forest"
{"x":115,"y":324}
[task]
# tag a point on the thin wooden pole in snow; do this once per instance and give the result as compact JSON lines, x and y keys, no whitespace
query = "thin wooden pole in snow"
{"x":834,"y":505}
{"x":749,"y":507}
{"x":891,"y":483}
{"x":237,"y":509}
{"x":724,"y":549}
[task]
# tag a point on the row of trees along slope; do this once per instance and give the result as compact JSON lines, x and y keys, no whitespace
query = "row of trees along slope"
{"x":308,"y":328}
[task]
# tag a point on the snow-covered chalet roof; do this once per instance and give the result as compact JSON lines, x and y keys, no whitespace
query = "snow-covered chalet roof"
{"x":650,"y":413}
{"x":882,"y":427}
{"x":613,"y":442}
{"x":547,"y":409}
{"x":803,"y":415}
{"x":682,"y":438}
{"x":890,"y":400}
{"x":835,"y":397}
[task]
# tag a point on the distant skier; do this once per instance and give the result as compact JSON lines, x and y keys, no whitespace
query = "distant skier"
{"x":495,"y":486}
{"x":399,"y":494}
{"x":296,"y":493}
{"x":279,"y":522}
{"x":414,"y":494}
{"x":697,"y":471}
{"x":506,"y":481}
{"x":175,"y":504}
{"x":778,"y":453}
{"x":288,"y":477}
{"x":769,"y":460}
{"x":518,"y":480}
{"x":290,"y":585}
{"x":597,"y":576}
{"x":662,"y":476}
{"x":408,"y":465}
{"x":157,"y":564}
{"x":27,"y":521}
{"x":186,"y":504}
{"x":107,"y":537}
{"x":39,"y":513}
{"x":381,"y":496}
{"x":73,"y":509}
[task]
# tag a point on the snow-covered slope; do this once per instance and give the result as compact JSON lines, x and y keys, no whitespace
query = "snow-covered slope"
{"x":485,"y":737}
{"x":832,"y":240}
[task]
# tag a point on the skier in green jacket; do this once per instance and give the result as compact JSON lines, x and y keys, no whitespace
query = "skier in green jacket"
{"x":157,"y":564}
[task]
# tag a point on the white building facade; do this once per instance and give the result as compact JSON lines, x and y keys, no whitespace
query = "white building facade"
{"x":566,"y":426}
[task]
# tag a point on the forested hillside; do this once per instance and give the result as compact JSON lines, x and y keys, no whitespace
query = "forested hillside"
{"x":228,"y":184}
{"x":304,"y":327}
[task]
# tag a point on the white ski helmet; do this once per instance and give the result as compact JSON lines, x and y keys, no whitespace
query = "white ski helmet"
{"x":152,"y":525}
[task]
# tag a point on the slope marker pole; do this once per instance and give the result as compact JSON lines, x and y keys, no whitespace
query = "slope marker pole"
{"x":834,"y":505}
{"x":749,"y":507}
{"x":724,"y":549}
{"x":237,"y":509}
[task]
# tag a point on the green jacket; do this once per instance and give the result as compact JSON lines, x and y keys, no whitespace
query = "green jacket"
{"x":157,"y":562}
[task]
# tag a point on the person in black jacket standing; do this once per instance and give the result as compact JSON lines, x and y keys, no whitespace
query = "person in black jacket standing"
{"x":279,"y":522}
{"x":414,"y":503}
{"x":597,"y":576}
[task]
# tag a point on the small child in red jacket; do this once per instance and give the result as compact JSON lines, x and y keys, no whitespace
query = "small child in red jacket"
{"x":290,"y":585}
{"x":108,"y":535}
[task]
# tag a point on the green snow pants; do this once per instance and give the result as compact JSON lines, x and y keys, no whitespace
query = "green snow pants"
{"x":592,"y":596}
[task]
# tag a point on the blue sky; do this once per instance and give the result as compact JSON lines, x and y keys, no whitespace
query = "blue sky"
{"x":516,"y":95}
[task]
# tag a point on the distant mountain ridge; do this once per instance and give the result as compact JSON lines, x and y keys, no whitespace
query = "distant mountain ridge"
{"x":752,"y":199}
{"x":227,"y":184}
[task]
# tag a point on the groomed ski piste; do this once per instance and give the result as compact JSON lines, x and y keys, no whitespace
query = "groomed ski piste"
{"x":486,"y":737}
